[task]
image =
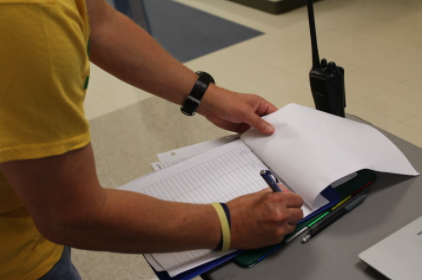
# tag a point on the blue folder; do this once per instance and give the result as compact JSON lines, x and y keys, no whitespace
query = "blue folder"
{"x":192,"y":273}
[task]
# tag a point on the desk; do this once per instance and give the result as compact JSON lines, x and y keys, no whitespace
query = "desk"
{"x":393,"y":202}
{"x":127,"y":141}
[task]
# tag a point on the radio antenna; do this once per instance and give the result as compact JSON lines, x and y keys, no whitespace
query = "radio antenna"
{"x":315,"y":55}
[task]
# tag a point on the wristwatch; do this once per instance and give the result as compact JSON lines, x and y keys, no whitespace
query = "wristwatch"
{"x":194,"y":99}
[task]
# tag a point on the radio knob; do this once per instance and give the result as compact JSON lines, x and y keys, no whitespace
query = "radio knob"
{"x":332,"y":66}
{"x":323,"y":63}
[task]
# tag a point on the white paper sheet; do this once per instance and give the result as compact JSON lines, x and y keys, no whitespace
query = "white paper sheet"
{"x":313,"y":148}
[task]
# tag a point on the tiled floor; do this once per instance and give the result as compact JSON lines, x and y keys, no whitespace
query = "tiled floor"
{"x":378,"y":42}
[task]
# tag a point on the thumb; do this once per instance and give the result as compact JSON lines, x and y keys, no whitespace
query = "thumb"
{"x":283,"y":188}
{"x":261,"y":125}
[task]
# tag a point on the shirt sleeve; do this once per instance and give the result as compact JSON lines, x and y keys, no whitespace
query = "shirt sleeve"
{"x":44,"y":70}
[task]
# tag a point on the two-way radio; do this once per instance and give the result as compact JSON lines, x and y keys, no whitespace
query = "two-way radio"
{"x":327,"y":79}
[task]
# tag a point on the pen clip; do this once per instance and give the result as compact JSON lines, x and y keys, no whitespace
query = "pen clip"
{"x":270,"y":173}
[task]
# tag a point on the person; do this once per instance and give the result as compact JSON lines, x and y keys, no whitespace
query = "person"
{"x":50,"y":195}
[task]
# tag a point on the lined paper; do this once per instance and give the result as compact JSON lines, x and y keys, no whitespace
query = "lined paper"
{"x":213,"y":180}
{"x":219,"y":175}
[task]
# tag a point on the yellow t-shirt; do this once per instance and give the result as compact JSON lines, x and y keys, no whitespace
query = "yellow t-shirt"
{"x":44,"y":69}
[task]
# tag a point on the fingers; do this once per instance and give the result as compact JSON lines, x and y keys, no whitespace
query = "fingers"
{"x":260,"y":107}
{"x":296,"y":215}
{"x":266,"y":190}
{"x":288,"y":198}
{"x":290,"y":204}
{"x":260,"y":124}
{"x":263,"y":218}
{"x":237,"y":112}
{"x":289,"y":228}
{"x":265,"y":107}
{"x":283,"y":188}
{"x":295,"y":200}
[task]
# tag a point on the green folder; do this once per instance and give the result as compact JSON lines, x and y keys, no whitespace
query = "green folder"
{"x":251,"y":257}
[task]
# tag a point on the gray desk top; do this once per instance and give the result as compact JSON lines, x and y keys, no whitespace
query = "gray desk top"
{"x":393,"y":202}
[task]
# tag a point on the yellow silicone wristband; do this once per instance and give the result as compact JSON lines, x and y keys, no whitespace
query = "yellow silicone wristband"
{"x":225,"y":229}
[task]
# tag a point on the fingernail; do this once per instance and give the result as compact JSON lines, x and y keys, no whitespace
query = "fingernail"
{"x":269,"y":128}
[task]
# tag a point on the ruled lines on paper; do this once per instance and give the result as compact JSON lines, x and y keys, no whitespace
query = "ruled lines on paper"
{"x":220,"y":179}
{"x":218,"y":175}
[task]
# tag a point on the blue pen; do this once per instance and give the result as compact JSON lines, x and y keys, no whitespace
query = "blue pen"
{"x":266,"y":174}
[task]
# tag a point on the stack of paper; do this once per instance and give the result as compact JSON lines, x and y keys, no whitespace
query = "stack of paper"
{"x":175,"y":156}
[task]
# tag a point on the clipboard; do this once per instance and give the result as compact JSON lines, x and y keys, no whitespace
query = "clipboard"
{"x":252,"y":257}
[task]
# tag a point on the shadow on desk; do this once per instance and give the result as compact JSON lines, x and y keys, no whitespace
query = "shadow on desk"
{"x":370,"y":272}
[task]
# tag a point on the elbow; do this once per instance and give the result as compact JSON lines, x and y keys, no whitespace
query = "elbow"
{"x":66,"y":229}
{"x":57,"y":231}
{"x":53,"y":234}
{"x":71,"y":223}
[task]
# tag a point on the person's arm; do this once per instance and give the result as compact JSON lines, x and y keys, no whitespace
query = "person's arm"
{"x":122,"y":48}
{"x":69,"y":206}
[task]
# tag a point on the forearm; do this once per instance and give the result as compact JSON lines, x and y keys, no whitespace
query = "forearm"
{"x":135,"y":223}
{"x":122,"y":48}
{"x":69,"y":206}
{"x":125,"y":50}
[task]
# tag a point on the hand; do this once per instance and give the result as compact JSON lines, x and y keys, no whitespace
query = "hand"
{"x":236,"y":111}
{"x":263,"y":218}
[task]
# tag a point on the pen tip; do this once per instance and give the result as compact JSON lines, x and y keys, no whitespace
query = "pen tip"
{"x":263,"y":172}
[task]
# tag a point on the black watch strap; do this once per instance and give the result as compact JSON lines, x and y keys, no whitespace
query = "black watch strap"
{"x":194,"y":99}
